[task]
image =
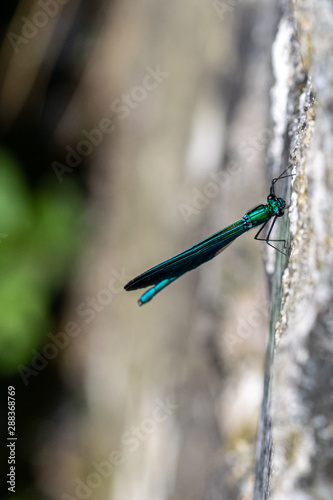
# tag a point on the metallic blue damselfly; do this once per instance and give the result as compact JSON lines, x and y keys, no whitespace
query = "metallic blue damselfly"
{"x":168,"y":271}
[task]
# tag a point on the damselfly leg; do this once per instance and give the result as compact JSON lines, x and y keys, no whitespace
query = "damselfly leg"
{"x":281,"y":176}
{"x":268,"y":241}
{"x":272,"y":193}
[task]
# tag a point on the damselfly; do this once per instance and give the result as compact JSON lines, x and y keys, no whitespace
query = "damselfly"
{"x":168,"y":271}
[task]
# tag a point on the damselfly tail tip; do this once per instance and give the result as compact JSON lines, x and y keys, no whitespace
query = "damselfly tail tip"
{"x":140,"y":302}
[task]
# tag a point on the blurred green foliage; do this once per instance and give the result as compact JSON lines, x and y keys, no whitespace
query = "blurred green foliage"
{"x":39,"y":236}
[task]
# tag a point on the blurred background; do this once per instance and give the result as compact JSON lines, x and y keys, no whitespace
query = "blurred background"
{"x":129,"y":132}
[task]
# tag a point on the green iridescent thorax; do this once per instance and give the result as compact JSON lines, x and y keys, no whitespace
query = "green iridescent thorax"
{"x":262,"y":213}
{"x":257,"y":216}
{"x":276,"y":205}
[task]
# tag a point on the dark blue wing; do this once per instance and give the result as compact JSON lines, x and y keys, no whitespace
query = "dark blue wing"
{"x":188,"y":260}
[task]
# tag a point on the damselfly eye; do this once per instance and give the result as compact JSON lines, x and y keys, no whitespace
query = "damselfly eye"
{"x":271,"y":197}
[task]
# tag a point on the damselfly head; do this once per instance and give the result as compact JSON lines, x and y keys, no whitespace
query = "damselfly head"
{"x":277,"y":205}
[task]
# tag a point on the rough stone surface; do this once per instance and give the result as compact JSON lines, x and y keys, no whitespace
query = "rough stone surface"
{"x":294,"y":456}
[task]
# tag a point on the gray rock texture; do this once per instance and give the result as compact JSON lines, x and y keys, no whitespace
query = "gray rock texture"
{"x":295,"y":442}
